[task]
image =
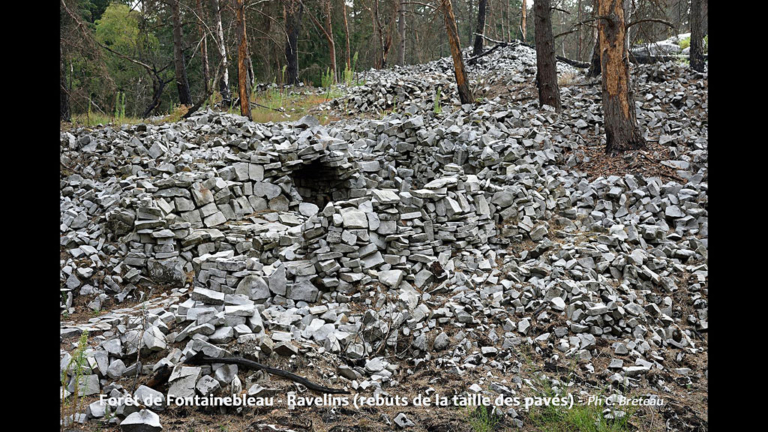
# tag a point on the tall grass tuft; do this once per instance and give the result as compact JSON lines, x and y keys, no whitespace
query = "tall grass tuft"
{"x":119,"y":106}
{"x":74,"y":403}
{"x":438,"y":107}
{"x":349,"y":71}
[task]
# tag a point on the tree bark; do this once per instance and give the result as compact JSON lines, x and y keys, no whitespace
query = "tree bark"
{"x":224,"y":82}
{"x":523,"y":19}
{"x":203,"y":44}
{"x":697,"y":36}
{"x":594,"y":62}
{"x":292,"y":10}
{"x":242,"y":58}
{"x":462,"y":82}
{"x":401,"y":32}
{"x":64,"y":112}
{"x":546,"y":66}
{"x":182,"y":84}
{"x":481,"y":9}
{"x":621,"y":129}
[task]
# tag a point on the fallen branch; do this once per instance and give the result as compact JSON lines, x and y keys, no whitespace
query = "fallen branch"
{"x":473,"y":60}
{"x":200,"y":359}
{"x":642,"y":58}
{"x":514,"y":42}
{"x":252,"y":102}
{"x":574,"y":63}
{"x":264,"y":106}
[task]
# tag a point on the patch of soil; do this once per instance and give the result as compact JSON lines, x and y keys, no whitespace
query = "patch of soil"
{"x":645,"y":162}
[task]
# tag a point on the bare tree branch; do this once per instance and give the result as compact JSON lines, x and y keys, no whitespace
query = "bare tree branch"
{"x":656,"y":20}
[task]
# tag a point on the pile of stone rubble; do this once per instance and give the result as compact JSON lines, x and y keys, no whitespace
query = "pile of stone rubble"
{"x":424,"y":85}
{"x":452,"y":238}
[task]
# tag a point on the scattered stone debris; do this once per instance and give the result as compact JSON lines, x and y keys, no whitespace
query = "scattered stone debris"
{"x":453,"y":239}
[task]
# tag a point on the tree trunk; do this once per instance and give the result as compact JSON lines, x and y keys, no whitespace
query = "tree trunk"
{"x":224,"y":82}
{"x":546,"y":66}
{"x":580,"y":35}
{"x":346,"y":33}
{"x":249,"y":65}
{"x":462,"y":82}
{"x":64,"y":112}
{"x":381,"y":62}
{"x":401,"y":32}
{"x":329,"y":36}
{"x":182,"y":84}
{"x":478,"y":48}
{"x":628,"y":18}
{"x":469,"y":22}
{"x":292,"y":10}
{"x":510,"y":26}
{"x":502,"y":8}
{"x":204,"y":45}
{"x":594,"y":62}
{"x":523,"y":18}
{"x":621,"y":129}
{"x":242,"y":58}
{"x":697,"y":36}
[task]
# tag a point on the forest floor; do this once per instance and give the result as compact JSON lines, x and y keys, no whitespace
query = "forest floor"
{"x":686,"y":406}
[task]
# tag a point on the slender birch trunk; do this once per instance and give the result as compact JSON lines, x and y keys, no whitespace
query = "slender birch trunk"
{"x":226,"y":96}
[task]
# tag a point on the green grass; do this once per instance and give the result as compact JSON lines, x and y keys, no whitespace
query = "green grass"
{"x":95,"y":119}
{"x":276,"y":106}
{"x":685,"y":43}
{"x":481,"y":419}
{"x":92,"y":119}
{"x":580,"y":418}
{"x":294,"y":106}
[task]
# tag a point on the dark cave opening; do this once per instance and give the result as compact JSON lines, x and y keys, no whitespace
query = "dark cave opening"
{"x":319,"y":184}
